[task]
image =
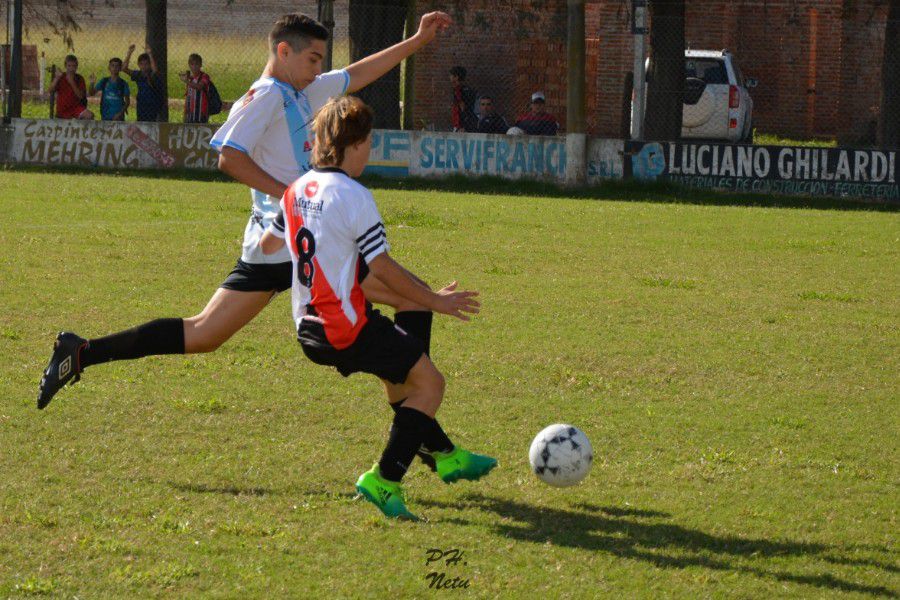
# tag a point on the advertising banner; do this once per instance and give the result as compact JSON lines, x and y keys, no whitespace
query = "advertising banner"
{"x":831,"y":172}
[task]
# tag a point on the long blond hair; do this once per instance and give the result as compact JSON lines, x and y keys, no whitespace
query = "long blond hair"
{"x":343,"y":121}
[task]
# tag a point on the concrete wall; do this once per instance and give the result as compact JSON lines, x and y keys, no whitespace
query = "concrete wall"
{"x":825,"y":172}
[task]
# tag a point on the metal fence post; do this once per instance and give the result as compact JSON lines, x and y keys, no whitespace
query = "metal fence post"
{"x":15,"y":82}
{"x":576,"y":143}
{"x":639,"y":29}
{"x":326,"y":18}
{"x":409,"y":71}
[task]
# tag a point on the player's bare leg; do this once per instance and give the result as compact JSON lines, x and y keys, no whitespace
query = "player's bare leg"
{"x":423,"y":391}
{"x":226,"y":313}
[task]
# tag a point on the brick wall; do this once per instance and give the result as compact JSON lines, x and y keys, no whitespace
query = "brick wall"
{"x":818,"y":63}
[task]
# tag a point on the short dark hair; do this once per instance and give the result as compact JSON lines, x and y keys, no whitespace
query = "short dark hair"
{"x":196,"y":58}
{"x":144,"y":56}
{"x":116,"y":60}
{"x":486,"y":97}
{"x":459,"y":72}
{"x":298,"y":30}
{"x":71,"y":58}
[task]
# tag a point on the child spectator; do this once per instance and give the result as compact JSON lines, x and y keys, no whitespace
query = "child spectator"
{"x":149,"y":85}
{"x":538,"y":121}
{"x":196,"y":99}
{"x":71,"y":92}
{"x":462,"y":113}
{"x":114,"y":93}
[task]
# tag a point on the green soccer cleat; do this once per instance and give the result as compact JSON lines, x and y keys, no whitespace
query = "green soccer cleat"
{"x":462,"y":464}
{"x":386,"y":495}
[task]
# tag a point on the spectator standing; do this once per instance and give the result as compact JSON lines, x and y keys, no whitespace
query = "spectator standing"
{"x":490,"y":121}
{"x":462,"y":113}
{"x":538,"y":121}
{"x":196,"y":99}
{"x":149,"y":85}
{"x":71,"y":92}
{"x":114,"y":93}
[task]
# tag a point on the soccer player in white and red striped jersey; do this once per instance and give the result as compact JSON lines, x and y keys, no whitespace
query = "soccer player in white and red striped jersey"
{"x":336,"y":239}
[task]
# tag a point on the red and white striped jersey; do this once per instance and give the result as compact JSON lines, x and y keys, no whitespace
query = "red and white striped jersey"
{"x":330,"y":223}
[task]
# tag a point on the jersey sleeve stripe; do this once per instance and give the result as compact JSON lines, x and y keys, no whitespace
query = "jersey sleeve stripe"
{"x":217,"y":145}
{"x":370,"y":230}
{"x":375,"y":235}
{"x":377,"y":249}
{"x":346,"y":82}
{"x":378,"y":240}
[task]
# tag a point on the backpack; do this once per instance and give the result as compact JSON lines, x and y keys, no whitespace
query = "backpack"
{"x":215,"y":100}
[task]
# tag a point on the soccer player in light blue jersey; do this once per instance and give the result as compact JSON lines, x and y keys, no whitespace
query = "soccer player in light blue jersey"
{"x":265,"y":144}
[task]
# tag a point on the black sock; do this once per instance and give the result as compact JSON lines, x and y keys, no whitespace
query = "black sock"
{"x":162,"y":336}
{"x":405,"y":438}
{"x":416,"y":323}
{"x":423,"y":454}
{"x":434,"y":439}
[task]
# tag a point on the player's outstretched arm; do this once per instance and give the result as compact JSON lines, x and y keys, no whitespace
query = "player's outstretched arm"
{"x":365,"y":71}
{"x":241,"y":167}
{"x":447,"y":301}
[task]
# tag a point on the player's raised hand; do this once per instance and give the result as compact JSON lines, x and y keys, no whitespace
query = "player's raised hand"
{"x":433,"y":23}
{"x":457,"y":303}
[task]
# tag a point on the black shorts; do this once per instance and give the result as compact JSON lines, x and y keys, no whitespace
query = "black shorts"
{"x":259,"y":277}
{"x":381,"y":348}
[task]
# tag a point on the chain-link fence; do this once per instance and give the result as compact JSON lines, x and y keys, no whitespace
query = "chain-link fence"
{"x":796,"y":69}
{"x":800,"y":70}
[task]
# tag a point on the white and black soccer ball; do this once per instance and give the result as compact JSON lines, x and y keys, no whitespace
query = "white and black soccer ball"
{"x":515,"y":131}
{"x":561,"y":455}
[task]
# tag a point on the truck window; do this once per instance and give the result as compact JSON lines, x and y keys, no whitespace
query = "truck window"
{"x":710,"y":70}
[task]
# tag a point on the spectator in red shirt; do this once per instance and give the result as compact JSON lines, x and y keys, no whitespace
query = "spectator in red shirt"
{"x":71,"y":92}
{"x":196,"y":99}
{"x":538,"y":121}
{"x":462,"y":112}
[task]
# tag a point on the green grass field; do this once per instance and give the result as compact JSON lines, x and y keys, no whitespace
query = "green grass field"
{"x":735,"y":368}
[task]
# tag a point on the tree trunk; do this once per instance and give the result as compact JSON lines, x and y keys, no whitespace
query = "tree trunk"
{"x":665,"y":86}
{"x":375,"y":25}
{"x":889,"y":135}
{"x":158,"y":41}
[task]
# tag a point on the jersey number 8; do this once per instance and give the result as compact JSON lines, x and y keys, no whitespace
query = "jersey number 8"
{"x":306,"y":249}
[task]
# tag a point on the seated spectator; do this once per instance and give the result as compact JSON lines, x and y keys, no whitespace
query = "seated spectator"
{"x":538,"y":121}
{"x":196,"y":99}
{"x":114,"y":93}
{"x":71,"y":92}
{"x":149,"y":85}
{"x":490,"y":121}
{"x":462,"y":113}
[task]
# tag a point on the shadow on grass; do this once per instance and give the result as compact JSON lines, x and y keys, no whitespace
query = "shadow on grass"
{"x":640,"y":535}
{"x":636,"y":191}
{"x":237,"y":490}
{"x":232,"y":490}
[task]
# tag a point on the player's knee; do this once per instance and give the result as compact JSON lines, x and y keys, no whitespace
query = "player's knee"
{"x":436,"y":384}
{"x":198,"y":338}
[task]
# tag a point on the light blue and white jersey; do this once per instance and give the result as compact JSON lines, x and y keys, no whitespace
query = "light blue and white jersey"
{"x":272,"y":123}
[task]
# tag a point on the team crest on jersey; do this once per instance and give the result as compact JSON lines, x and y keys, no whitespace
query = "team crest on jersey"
{"x":307,"y":147}
{"x":311,"y":188}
